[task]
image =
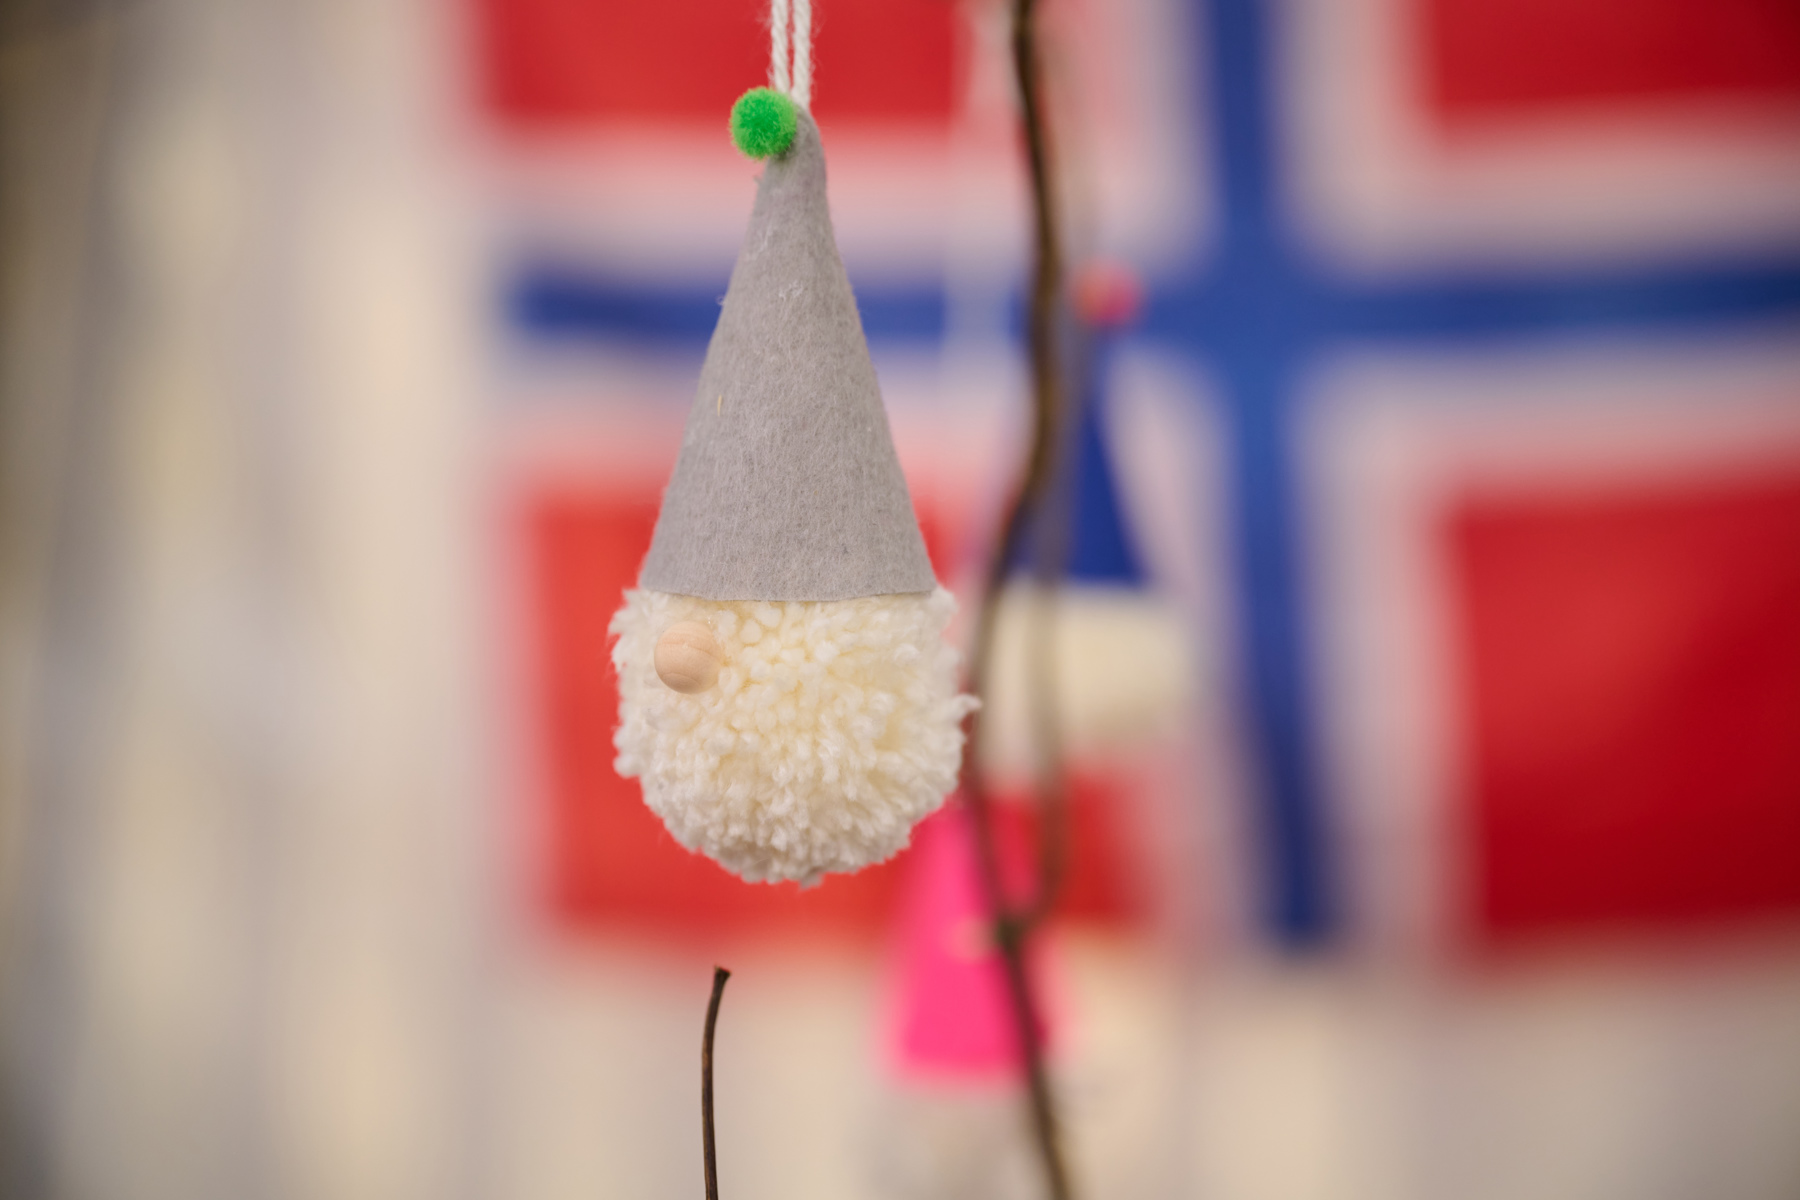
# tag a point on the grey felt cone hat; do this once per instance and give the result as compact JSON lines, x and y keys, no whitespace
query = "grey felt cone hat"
{"x":788,"y":487}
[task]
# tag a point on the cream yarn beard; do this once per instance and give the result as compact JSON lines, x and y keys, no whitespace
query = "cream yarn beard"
{"x":831,"y":729}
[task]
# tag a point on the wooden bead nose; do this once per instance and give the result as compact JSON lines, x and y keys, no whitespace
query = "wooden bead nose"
{"x":687,"y":658}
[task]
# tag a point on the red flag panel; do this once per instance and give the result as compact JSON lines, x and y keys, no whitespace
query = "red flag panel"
{"x":576,"y":63}
{"x":1498,"y":58}
{"x":1634,"y":659}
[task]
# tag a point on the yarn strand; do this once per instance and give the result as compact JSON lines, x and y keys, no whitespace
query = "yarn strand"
{"x":778,"y":47}
{"x":790,"y":49}
{"x":803,"y":58}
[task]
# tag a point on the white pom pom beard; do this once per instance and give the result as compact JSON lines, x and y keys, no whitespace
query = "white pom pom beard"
{"x":834,"y":727}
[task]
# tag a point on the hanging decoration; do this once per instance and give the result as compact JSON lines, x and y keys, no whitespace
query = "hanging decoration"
{"x":787,"y":698}
{"x":1124,"y":671}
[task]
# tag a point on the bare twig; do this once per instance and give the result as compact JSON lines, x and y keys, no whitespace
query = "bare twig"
{"x":1033,"y":505}
{"x":720,"y":975}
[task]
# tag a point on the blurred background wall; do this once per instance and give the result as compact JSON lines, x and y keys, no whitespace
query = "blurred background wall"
{"x":1440,"y":447}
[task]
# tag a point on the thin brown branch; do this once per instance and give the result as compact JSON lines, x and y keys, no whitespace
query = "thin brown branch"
{"x":1033,"y":505}
{"x":720,"y":975}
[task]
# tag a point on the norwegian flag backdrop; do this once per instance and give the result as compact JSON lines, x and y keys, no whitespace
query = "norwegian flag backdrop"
{"x":1438,"y":487}
{"x":1483,"y":318}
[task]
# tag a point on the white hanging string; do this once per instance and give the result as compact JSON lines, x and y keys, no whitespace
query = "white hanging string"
{"x":778,"y":46}
{"x":796,"y":81}
{"x":803,"y":69}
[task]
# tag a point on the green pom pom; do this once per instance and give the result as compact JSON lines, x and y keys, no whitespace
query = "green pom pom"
{"x":763,"y":122}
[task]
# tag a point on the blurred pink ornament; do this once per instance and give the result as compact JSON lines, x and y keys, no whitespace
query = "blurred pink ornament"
{"x":950,"y":1015}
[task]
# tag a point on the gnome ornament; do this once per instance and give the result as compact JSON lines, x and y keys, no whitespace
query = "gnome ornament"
{"x":786,"y":696}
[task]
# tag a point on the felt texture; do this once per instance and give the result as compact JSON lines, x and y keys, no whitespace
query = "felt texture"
{"x":787,"y":486}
